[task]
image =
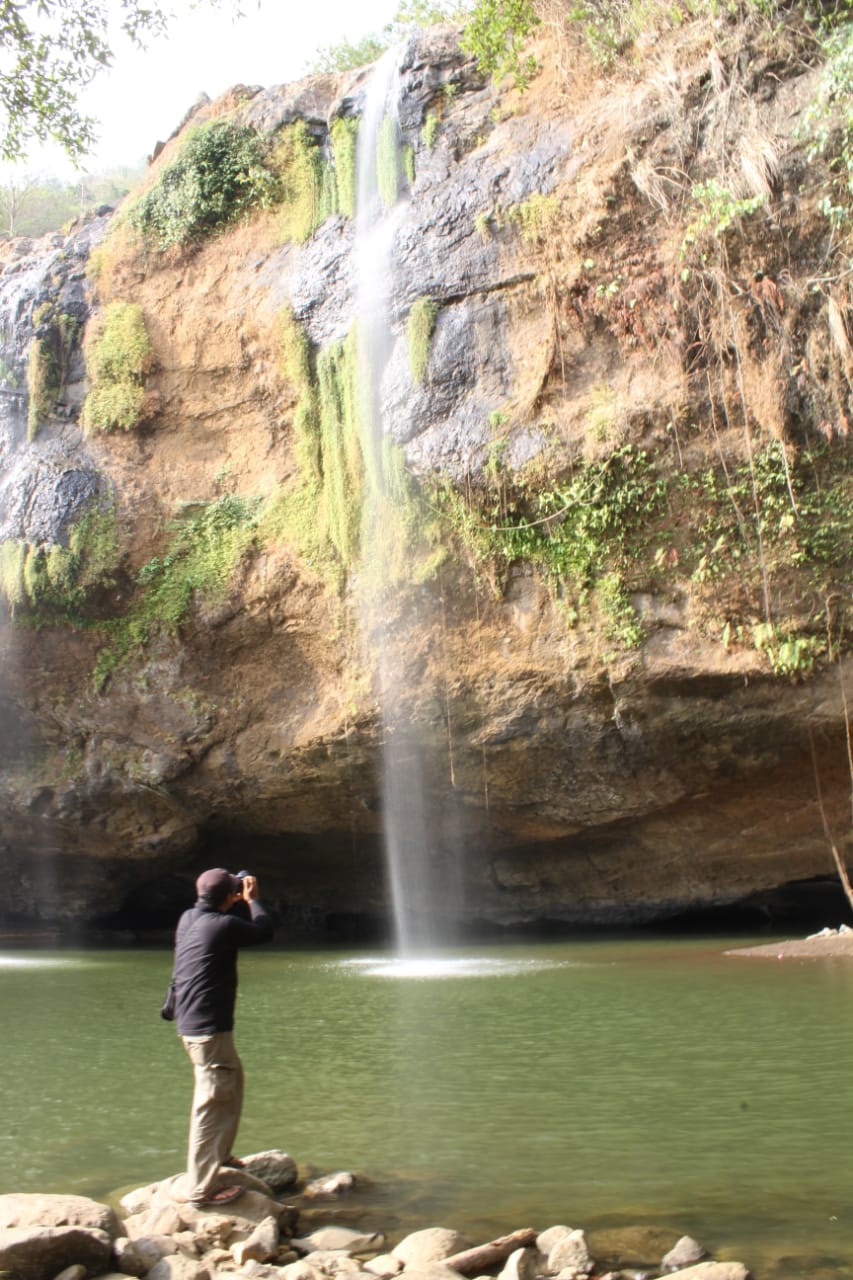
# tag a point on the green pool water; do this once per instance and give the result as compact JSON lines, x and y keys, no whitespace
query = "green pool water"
{"x":591,"y":1083}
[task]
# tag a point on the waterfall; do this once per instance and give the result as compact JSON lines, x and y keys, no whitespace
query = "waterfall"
{"x":417,"y":883}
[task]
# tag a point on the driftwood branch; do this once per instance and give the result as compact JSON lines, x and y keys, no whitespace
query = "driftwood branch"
{"x":486,"y":1255}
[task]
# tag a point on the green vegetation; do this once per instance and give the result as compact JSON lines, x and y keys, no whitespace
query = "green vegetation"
{"x":495,"y":35}
{"x":53,"y":49}
{"x":716,"y":209}
{"x":222,"y":172}
{"x":429,"y":131}
{"x":31,"y":205}
{"x":343,"y":479}
{"x":731,"y":510}
{"x":483,"y":225}
{"x":206,"y":545}
{"x":537,"y":217}
{"x":52,"y":583}
{"x":13,"y":555}
{"x":388,"y":162}
{"x":574,"y":531}
{"x":42,"y":384}
{"x":344,"y":138}
{"x":789,"y":654}
{"x":419,"y":330}
{"x":118,"y":355}
{"x":621,"y":623}
{"x":47,"y":361}
{"x":609,"y":27}
{"x":623,"y":524}
{"x":340,"y":448}
{"x":346,"y":55}
{"x":306,"y":184}
{"x":319,"y":512}
{"x":829,"y":119}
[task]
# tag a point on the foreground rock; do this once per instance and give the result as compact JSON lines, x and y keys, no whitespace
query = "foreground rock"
{"x":55,"y":1237}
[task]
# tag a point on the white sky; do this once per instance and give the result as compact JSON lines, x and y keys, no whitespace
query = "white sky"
{"x":144,"y":96}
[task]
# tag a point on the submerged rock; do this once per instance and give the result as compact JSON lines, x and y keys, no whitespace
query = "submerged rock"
{"x":684,"y":1252}
{"x":432,"y":1244}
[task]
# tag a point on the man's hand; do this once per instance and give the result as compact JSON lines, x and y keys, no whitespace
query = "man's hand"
{"x":250,"y":889}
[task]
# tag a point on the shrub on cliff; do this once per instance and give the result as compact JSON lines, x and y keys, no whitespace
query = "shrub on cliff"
{"x":221,"y":173}
{"x":52,"y":582}
{"x":118,"y":355}
{"x":419,"y":331}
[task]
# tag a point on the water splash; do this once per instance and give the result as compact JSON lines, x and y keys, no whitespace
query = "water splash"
{"x":437,"y":967}
{"x":41,"y":962}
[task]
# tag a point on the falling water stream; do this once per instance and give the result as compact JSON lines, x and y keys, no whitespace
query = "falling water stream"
{"x":417,"y":882}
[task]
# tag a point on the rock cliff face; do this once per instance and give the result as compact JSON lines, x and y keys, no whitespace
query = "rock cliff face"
{"x":614,"y":739}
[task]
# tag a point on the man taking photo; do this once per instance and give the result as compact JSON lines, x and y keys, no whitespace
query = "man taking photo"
{"x":205,"y":976}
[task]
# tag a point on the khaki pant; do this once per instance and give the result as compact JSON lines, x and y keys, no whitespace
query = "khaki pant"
{"x":217,"y":1103}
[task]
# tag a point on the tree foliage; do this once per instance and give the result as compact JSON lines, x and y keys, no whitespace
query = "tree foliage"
{"x":348,"y":54}
{"x":32,"y":205}
{"x":49,"y":51}
{"x":222,"y":171}
{"x":495,"y":35}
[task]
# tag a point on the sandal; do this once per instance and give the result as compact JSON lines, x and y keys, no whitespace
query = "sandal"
{"x":224,"y":1195}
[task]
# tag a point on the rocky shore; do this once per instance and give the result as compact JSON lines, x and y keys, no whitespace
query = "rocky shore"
{"x":280,"y":1229}
{"x":826,"y":944}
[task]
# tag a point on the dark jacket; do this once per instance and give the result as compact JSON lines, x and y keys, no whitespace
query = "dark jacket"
{"x":205,"y":972}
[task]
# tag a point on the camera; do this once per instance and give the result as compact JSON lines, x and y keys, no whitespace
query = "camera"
{"x":240,"y":876}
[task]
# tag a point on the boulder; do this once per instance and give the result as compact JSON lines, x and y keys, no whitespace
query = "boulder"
{"x":334,"y":1184}
{"x":384,"y":1266}
{"x":138,"y":1199}
{"x":546,"y":1239}
{"x":431,"y":1271}
{"x":301,"y":1270}
{"x":256,"y":1270}
{"x":333,"y":1262}
{"x":683,"y":1253}
{"x":177,"y":1267}
{"x":34,"y":1210}
{"x":339,"y":1238}
{"x":133,"y":1258}
{"x":261,"y":1245}
{"x":159,"y":1220}
{"x":522,"y":1264}
{"x":276,"y":1168}
{"x":635,"y":1245}
{"x":41,"y":1253}
{"x":570,"y":1257}
{"x":432,"y":1244}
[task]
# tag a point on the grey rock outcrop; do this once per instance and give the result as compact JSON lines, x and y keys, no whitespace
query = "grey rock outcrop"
{"x":41,"y":1253}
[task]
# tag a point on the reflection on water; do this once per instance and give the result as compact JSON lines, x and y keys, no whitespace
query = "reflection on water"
{"x":596,"y":1083}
